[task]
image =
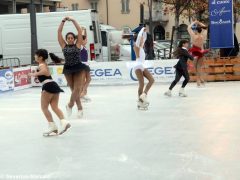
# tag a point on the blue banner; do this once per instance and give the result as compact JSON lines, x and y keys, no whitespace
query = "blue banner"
{"x":221,"y":24}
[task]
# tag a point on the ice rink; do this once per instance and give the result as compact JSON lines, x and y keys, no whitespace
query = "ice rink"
{"x":193,"y":138}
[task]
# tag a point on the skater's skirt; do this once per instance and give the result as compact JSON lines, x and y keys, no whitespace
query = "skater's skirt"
{"x":197,"y":51}
{"x":51,"y":87}
{"x":75,"y":68}
{"x":88,"y":67}
{"x":139,"y":65}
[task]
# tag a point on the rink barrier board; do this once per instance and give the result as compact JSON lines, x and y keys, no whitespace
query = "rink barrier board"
{"x":218,"y":69}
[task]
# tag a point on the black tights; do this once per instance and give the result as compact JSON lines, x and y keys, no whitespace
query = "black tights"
{"x":179,"y":74}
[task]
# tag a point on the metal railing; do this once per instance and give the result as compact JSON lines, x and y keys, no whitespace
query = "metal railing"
{"x":9,"y":62}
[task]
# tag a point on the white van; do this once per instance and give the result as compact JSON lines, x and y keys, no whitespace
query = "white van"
{"x":114,"y":47}
{"x":15,"y":33}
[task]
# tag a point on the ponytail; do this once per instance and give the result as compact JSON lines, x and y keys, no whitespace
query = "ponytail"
{"x":55,"y":58}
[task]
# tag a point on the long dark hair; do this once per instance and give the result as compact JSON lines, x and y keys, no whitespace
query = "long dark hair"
{"x":55,"y":58}
{"x":178,"y":51}
{"x":44,"y":54}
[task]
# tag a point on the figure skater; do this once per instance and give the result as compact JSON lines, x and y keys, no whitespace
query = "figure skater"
{"x":198,"y":36}
{"x":84,"y":59}
{"x":140,"y":69}
{"x":181,"y":68}
{"x":50,"y":94}
{"x":74,"y":69}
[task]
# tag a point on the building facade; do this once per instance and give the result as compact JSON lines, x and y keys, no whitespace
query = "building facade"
{"x":21,"y":6}
{"x":126,"y":13}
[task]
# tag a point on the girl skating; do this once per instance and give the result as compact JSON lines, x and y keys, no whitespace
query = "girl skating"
{"x":181,"y":68}
{"x":84,"y":59}
{"x":141,"y":71}
{"x":74,"y":69}
{"x":50,"y":95}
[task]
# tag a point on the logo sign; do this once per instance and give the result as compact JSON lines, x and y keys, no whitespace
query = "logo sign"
{"x":157,"y":72}
{"x":106,"y":72}
{"x":221,"y":24}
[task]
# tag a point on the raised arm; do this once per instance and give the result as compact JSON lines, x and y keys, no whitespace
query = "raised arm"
{"x":190,"y":31}
{"x":79,"y":30}
{"x":202,"y":25}
{"x":85,"y":31}
{"x":61,"y":40}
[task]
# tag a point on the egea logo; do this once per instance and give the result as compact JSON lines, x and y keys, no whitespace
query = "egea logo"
{"x":8,"y":74}
{"x":105,"y":72}
{"x":157,"y":71}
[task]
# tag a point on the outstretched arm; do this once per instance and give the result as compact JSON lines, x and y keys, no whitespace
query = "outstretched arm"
{"x":79,"y":30}
{"x":61,"y":40}
{"x":43,"y":70}
{"x":186,"y":53}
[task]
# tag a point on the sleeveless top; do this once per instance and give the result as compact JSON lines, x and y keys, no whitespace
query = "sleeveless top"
{"x":84,"y":54}
{"x":71,"y":54}
{"x":42,"y":78}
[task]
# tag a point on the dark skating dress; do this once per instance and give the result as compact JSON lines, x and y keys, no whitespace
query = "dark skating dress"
{"x":51,"y":86}
{"x":84,"y":57}
{"x":73,"y":62}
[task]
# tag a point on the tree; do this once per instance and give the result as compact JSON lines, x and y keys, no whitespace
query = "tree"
{"x":150,"y":6}
{"x":177,"y":7}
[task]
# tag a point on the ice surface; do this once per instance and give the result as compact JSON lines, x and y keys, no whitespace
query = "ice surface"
{"x":193,"y":138}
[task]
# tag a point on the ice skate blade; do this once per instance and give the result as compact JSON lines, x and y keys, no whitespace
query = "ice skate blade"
{"x":66,"y":128}
{"x":142,"y":108}
{"x":54,"y":133}
{"x":167,"y":95}
{"x":182,"y":95}
{"x":85,"y":100}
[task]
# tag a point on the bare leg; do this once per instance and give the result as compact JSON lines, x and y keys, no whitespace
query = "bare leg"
{"x":77,"y":87}
{"x":86,"y":83}
{"x":55,"y":108}
{"x":45,"y":101}
{"x":200,"y":64}
{"x":73,"y":84}
{"x":150,"y":79}
{"x":140,"y":77}
{"x":196,"y":66}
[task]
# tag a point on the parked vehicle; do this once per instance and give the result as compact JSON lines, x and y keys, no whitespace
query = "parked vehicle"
{"x":162,"y":50}
{"x":15,"y":33}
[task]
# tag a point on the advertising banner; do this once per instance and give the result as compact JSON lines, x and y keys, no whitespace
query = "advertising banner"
{"x":6,"y":80}
{"x":221,"y":24}
{"x":21,"y":78}
{"x":116,"y":73}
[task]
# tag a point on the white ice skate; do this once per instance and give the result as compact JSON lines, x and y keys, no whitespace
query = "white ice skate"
{"x":142,"y":105}
{"x":65,"y":125}
{"x":80,"y":114}
{"x":182,"y":93}
{"x":69,"y":111}
{"x":143,"y":98}
{"x":168,"y":93}
{"x":85,"y":99}
{"x":52,"y":130}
